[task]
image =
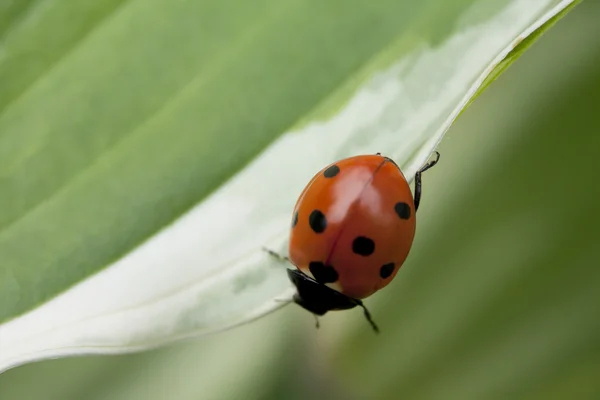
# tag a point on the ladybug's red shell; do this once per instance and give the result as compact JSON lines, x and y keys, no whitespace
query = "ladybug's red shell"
{"x":353,"y":225}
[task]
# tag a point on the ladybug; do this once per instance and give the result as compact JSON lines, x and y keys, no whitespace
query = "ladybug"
{"x":352,"y":228}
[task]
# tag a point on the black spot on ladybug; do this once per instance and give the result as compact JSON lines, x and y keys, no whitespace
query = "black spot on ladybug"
{"x":295,"y":219}
{"x":323,"y":273}
{"x":331,"y":171}
{"x":386,"y":270}
{"x":363,"y":246}
{"x":317,"y":221}
{"x":403,"y":210}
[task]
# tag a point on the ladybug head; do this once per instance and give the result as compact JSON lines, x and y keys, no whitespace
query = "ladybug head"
{"x":318,"y":298}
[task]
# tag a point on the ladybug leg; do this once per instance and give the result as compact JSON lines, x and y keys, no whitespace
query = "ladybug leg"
{"x":418,"y":189}
{"x":368,"y":316}
{"x":317,"y":325}
{"x":276,"y":255}
{"x":282,"y":300}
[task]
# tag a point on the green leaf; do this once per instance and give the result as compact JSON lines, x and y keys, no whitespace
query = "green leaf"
{"x":150,"y":154}
{"x":522,"y":44}
{"x":499,"y":298}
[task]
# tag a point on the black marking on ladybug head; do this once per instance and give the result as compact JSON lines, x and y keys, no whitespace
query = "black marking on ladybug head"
{"x":317,"y":221}
{"x":363,"y":246}
{"x":323,"y":273}
{"x":331,"y":171}
{"x":403,"y":210}
{"x":295,"y":219}
{"x":386,"y":270}
{"x":319,"y":299}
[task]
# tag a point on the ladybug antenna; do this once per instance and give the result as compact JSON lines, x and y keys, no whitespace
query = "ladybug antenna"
{"x":368,"y":316}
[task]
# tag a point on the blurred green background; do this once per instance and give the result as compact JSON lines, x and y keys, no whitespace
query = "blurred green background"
{"x":499,"y":298}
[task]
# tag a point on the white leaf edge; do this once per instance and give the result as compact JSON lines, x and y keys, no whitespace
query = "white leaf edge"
{"x":178,"y":284}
